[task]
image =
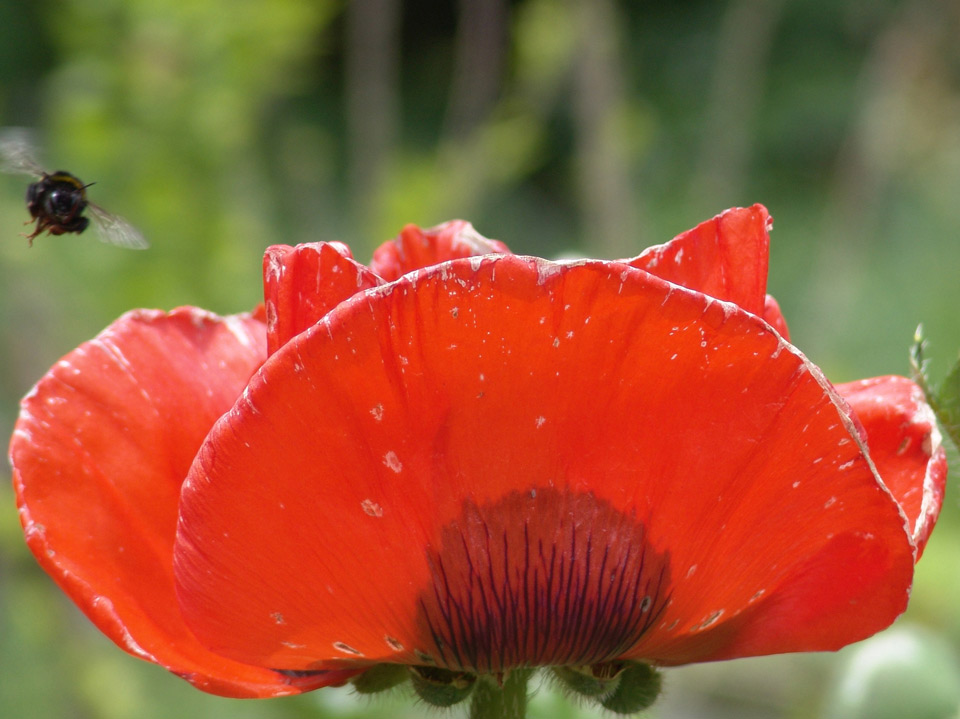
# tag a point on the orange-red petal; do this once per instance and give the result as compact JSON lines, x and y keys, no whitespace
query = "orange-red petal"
{"x":99,"y":452}
{"x":725,"y":257}
{"x":415,"y":248}
{"x":301,"y":284}
{"x":415,"y":470}
{"x":774,"y":317}
{"x":905,"y":446}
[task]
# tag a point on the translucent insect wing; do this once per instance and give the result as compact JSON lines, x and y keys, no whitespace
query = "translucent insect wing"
{"x":116,"y":230}
{"x":18,"y":152}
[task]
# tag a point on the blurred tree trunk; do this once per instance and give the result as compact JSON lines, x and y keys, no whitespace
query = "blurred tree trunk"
{"x":478,"y":67}
{"x":372,"y":102}
{"x":743,"y":46}
{"x":901,"y":63}
{"x":607,"y":202}
{"x":891,"y":111}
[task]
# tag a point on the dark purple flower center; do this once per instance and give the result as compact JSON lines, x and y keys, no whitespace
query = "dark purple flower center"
{"x":540,"y":578}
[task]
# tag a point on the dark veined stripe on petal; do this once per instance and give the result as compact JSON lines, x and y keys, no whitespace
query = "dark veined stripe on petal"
{"x":541,"y":577}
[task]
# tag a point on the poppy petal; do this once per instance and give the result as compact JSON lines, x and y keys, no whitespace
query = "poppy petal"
{"x":774,"y":317}
{"x":489,"y":460}
{"x":301,"y":284}
{"x":415,"y":248}
{"x":99,"y":452}
{"x":905,"y":446}
{"x":725,"y":257}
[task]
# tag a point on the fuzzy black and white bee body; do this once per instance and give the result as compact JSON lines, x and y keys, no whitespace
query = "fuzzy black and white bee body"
{"x":58,"y":202}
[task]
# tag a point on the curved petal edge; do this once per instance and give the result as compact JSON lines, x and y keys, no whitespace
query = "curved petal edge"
{"x":905,"y":444}
{"x":101,"y":447}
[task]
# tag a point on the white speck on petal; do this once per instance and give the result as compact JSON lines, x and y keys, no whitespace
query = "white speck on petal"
{"x":540,"y":421}
{"x":271,"y":311}
{"x":546,"y":270}
{"x":377,"y":412}
{"x":273,"y":269}
{"x":371,"y":508}
{"x":712,"y":619}
{"x":393,"y":462}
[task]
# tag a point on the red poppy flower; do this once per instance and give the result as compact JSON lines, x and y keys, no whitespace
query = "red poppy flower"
{"x":477,"y":461}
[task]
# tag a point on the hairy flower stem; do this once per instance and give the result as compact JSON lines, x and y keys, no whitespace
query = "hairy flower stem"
{"x":507,"y":701}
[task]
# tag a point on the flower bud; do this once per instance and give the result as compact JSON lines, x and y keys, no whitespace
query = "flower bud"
{"x":380,"y":677}
{"x":594,"y":680}
{"x":441,"y":687}
{"x":638,"y":689}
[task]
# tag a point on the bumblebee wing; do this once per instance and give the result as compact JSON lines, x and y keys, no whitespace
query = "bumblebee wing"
{"x":116,"y":230}
{"x":18,"y":152}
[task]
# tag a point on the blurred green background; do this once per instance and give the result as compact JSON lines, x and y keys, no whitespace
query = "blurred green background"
{"x":219,"y":127}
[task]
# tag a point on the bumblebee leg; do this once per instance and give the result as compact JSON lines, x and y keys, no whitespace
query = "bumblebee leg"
{"x":41,"y":226}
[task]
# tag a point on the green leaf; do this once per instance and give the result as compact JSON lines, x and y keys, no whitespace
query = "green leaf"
{"x":945,"y":400}
{"x":948,"y":404}
{"x":919,"y":365}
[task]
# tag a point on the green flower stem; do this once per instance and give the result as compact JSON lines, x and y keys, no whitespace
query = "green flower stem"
{"x":509,"y":701}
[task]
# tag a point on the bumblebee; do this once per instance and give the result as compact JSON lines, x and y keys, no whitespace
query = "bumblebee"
{"x":57,"y":202}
